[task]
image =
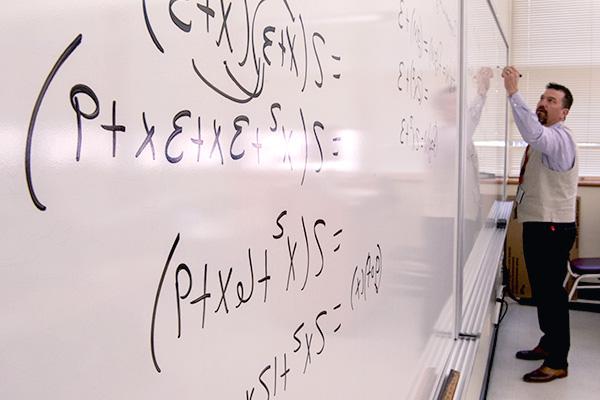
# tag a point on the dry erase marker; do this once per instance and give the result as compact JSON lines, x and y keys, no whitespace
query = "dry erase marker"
{"x":520,"y":75}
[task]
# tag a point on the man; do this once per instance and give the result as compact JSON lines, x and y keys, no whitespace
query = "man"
{"x":546,"y":207}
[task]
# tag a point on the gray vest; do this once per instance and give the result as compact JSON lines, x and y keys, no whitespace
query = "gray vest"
{"x":549,"y":196}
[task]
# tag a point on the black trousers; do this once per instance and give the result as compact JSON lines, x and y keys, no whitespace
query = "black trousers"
{"x":546,"y":249}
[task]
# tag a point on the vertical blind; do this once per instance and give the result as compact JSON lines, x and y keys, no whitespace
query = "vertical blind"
{"x":559,"y":41}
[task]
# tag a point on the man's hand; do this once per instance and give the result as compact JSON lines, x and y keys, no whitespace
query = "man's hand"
{"x":511,"y":80}
{"x":482,"y":78}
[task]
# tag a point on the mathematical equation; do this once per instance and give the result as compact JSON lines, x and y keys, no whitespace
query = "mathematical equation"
{"x":427,"y":47}
{"x":421,"y":137}
{"x":287,"y":46}
{"x":202,"y":291}
{"x":411,"y":81}
{"x":325,"y":325}
{"x":367,"y":278}
{"x":299,"y":145}
{"x":271,"y":377}
{"x":192,"y":297}
{"x":416,"y":75}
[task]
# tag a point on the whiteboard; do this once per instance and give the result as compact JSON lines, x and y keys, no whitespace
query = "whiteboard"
{"x":485,"y":118}
{"x":225,"y":199}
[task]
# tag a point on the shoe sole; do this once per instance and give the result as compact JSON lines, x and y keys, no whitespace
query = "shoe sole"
{"x":545,"y":381}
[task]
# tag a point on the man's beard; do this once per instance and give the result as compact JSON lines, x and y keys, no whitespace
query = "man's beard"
{"x":542,"y":115}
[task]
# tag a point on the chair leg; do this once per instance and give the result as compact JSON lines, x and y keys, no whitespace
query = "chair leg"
{"x":566,"y":280}
{"x":574,"y":287}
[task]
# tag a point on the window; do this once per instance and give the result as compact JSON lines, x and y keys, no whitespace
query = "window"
{"x":558,"y":41}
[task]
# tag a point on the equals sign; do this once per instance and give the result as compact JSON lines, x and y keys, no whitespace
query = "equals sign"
{"x":336,"y":139}
{"x":337,"y":58}
{"x":339,"y":245}
{"x":339,"y":325}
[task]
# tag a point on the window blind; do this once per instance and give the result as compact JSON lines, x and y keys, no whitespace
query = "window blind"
{"x":485,"y":48}
{"x":558,"y":41}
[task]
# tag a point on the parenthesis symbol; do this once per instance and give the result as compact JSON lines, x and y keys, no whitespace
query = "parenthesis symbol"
{"x":150,"y":30}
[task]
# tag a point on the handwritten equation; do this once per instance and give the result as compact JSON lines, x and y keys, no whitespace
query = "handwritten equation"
{"x":214,"y":292}
{"x":301,"y":141}
{"x":427,"y":46}
{"x":420,"y":137}
{"x":203,"y":291}
{"x":287,"y":46}
{"x":308,"y":342}
{"x":366,"y":279}
{"x":418,"y":71}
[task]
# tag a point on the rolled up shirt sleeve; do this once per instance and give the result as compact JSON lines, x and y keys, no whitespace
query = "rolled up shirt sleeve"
{"x":555,"y":142}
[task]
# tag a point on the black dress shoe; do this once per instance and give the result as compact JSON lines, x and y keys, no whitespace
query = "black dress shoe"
{"x":536,"y":354}
{"x":545,"y":374}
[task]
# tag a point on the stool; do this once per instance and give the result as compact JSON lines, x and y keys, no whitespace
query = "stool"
{"x":586,"y":271}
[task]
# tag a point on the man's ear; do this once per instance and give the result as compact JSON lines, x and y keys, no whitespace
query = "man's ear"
{"x":565,"y":112}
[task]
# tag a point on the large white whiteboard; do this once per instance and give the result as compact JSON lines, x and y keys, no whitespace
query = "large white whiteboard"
{"x":235,"y":200}
{"x":485,"y":117}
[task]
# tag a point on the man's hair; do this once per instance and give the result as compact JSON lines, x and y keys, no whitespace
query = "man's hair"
{"x":567,"y":99}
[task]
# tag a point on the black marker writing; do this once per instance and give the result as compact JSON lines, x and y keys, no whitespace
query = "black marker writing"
{"x":114,"y":128}
{"x":36,"y":108}
{"x":362,"y":278}
{"x":240,"y":285}
{"x":226,"y":144}
{"x":255,"y":44}
{"x":245,"y":283}
{"x":158,"y":291}
{"x":150,"y":30}
{"x":83,"y":89}
{"x":179,"y":296}
{"x":147,"y":140}
{"x":177,"y":130}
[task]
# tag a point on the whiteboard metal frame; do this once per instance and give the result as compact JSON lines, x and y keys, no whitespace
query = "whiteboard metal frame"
{"x":465,"y":348}
{"x":459,"y":226}
{"x":506,"y":138}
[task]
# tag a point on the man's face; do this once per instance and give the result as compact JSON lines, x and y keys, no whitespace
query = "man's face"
{"x":550,"y":108}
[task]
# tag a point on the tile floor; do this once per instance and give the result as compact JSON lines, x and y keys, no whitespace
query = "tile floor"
{"x":519,"y":330}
